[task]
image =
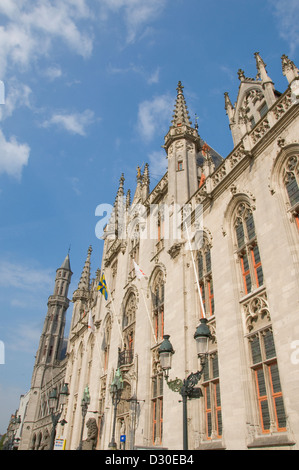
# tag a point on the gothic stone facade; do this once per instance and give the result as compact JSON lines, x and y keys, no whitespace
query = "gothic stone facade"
{"x":245,"y":264}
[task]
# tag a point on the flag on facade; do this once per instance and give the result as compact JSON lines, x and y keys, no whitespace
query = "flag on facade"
{"x":90,"y":322}
{"x":102,"y":287}
{"x":139,"y":273}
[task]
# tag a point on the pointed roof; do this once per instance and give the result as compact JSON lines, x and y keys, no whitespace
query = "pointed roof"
{"x":84,"y":282}
{"x":181,"y":125}
{"x":66,"y":264}
{"x":181,"y":114}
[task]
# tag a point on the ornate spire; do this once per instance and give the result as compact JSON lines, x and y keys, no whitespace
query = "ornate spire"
{"x":228,"y":105}
{"x":84,"y":282}
{"x":261,"y":68}
{"x":181,"y":124}
{"x":181,"y":115}
{"x":289,"y":69}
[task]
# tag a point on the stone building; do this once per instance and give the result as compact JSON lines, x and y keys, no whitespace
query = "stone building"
{"x":217,"y":237}
{"x":49,"y":368}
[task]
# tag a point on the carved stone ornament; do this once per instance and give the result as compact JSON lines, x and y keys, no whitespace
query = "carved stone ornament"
{"x":256,"y":309}
{"x":175,"y":249}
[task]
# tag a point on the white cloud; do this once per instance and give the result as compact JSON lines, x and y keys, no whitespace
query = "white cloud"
{"x":287,"y":13}
{"x":136,"y":13}
{"x":157,"y":164}
{"x":25,"y":277}
{"x":153,"y":115}
{"x":24,"y":337}
{"x":31,"y":28}
{"x":13,"y":156}
{"x":75,"y":183}
{"x":139,"y":70}
{"x":16,"y":94}
{"x":53,"y":72}
{"x":75,"y":123}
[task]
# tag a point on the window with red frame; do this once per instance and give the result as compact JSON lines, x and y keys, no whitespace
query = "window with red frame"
{"x":247,"y":249}
{"x":267,"y":382}
{"x":211,"y":387}
{"x":204,"y":268}
{"x":158,"y":306}
{"x":157,"y":409}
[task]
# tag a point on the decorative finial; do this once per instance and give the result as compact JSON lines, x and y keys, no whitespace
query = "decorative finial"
{"x":241,"y":74}
{"x":180,"y":87}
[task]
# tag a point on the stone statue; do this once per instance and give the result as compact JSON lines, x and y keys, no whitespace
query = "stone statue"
{"x":92,"y":434}
{"x":45,"y":444}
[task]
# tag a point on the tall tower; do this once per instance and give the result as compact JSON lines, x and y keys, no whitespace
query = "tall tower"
{"x":51,"y":341}
{"x":182,"y":144}
{"x":48,"y":358}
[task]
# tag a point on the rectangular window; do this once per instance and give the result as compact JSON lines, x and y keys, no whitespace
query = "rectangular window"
{"x":240,"y":235}
{"x":200,"y":266}
{"x":213,"y":416}
{"x":277,"y":397}
{"x":157,"y":410}
{"x":269,"y":393}
{"x":250,"y":227}
{"x":293,"y":190}
{"x":208,"y":261}
{"x":246,"y":273}
{"x":257,"y":266}
{"x":180,"y":166}
{"x":262,"y":400}
{"x":211,"y":297}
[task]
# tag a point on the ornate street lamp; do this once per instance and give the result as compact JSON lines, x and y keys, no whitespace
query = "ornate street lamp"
{"x":186,"y":388}
{"x":54,"y":400}
{"x":116,"y":389}
{"x":84,"y":406}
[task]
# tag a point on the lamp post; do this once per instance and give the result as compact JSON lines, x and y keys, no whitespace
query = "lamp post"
{"x":84,"y":406}
{"x":186,"y":388}
{"x":116,"y":388}
{"x":55,"y":400}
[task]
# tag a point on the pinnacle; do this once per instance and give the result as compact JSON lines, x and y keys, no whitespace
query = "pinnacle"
{"x":181,"y":115}
{"x":85,"y":276}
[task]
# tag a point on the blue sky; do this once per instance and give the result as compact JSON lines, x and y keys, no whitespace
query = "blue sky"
{"x":90,"y":87}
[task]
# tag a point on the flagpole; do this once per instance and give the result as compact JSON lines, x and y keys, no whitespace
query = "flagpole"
{"x":113,"y":308}
{"x":117,"y":319}
{"x":140,"y":274}
{"x":148,"y":314}
{"x":195,"y":272}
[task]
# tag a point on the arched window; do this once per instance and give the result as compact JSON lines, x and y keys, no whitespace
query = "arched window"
{"x":158,"y":305}
{"x":205,"y":278}
{"x":105,"y":346}
{"x":129,"y":318}
{"x":247,"y":248}
{"x":291,"y":182}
